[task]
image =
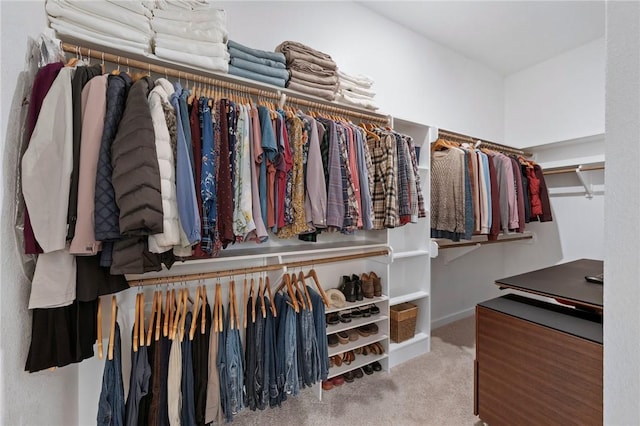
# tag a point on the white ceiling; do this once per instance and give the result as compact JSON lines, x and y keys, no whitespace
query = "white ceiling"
{"x":506,"y":36}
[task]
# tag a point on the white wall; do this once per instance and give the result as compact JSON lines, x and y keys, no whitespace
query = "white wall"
{"x":416,"y":79}
{"x":46,"y":397}
{"x":622,"y":259}
{"x":556,"y":100}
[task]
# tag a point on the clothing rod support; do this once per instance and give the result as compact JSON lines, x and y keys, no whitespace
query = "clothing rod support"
{"x":202,"y":77}
{"x":254,"y":269}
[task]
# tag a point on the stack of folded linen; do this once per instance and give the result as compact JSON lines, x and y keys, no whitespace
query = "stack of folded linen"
{"x":123,"y":25}
{"x":312,"y":72}
{"x":356,"y":90}
{"x":259,"y":65}
{"x":191,"y":32}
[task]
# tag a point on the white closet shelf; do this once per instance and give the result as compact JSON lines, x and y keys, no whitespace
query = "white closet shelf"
{"x":408,"y":297}
{"x":419,"y":337}
{"x":336,"y":328}
{"x":362,"y":341}
{"x":359,"y":303}
{"x":360,"y":361}
{"x":410,"y":253}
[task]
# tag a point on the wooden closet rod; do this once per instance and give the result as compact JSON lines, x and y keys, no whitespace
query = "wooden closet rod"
{"x":571,"y":169}
{"x":459,"y":137}
{"x":253,"y":269}
{"x":202,"y":77}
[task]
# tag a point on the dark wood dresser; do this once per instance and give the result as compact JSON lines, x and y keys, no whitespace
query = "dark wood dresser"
{"x":539,"y":363}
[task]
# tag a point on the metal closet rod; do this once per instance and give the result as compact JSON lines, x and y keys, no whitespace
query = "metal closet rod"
{"x":459,"y":137}
{"x":253,"y":269}
{"x":205,"y":79}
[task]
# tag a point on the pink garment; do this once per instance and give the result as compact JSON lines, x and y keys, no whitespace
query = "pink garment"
{"x":511,"y":190}
{"x":94,"y":105}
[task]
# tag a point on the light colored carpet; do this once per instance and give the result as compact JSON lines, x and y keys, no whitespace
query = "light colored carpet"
{"x":432,"y":389}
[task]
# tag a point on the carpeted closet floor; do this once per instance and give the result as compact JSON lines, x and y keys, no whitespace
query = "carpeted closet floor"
{"x":433,"y":389}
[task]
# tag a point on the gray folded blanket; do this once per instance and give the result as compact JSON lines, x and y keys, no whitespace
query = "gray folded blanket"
{"x":274,"y":56}
{"x":324,"y":94}
{"x":311,"y":68}
{"x":259,"y":68}
{"x":294,"y":50}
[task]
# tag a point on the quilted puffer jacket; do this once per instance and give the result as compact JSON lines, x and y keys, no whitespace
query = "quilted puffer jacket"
{"x":136,"y":175}
{"x":170,"y":236}
{"x":106,"y":210}
{"x":136,"y":184}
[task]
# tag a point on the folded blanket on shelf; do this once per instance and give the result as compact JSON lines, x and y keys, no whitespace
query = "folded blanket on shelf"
{"x":355,"y":95}
{"x":210,"y":14}
{"x":332,"y":87}
{"x":346,"y":85}
{"x":300,"y":87}
{"x":183,"y":4}
{"x":300,"y":75}
{"x":99,"y":24}
{"x":294,"y":50}
{"x":274,"y":56}
{"x":311,"y":68}
{"x":357,"y":79}
{"x":134,"y":6}
{"x":260,"y":69}
{"x":208,"y":63}
{"x":213,"y":34}
{"x":217,"y":50}
{"x":235,"y":53}
{"x":364,"y":103}
{"x":103,"y":9}
{"x":240,"y":72}
{"x":79,"y":32}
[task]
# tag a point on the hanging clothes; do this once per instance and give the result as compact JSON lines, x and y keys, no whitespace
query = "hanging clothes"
{"x":200,"y":351}
{"x":111,"y":406}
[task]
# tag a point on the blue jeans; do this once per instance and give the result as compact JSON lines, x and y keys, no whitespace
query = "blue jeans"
{"x":321,"y":333}
{"x":235,"y":373}
{"x":111,"y":403}
{"x":221,"y":361}
{"x":138,"y":384}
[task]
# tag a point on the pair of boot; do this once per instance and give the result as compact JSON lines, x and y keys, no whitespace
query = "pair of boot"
{"x":351,"y":287}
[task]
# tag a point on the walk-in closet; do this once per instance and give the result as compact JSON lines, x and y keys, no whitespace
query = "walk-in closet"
{"x":310,"y":212}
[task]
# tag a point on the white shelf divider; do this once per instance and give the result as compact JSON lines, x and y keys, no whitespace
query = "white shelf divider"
{"x":359,"y":303}
{"x":362,"y":341}
{"x":415,"y":339}
{"x":408,"y":297}
{"x":360,"y":361}
{"x":336,"y":328}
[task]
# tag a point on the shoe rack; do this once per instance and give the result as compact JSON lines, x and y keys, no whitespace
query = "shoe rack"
{"x":409,"y":273}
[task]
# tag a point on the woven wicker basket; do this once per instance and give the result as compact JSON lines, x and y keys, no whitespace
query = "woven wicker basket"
{"x":403,"y":321}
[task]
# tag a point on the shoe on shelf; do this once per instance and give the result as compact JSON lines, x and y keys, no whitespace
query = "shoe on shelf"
{"x":358,"y":373}
{"x":356,"y":313}
{"x":338,"y":380}
{"x":343,"y":337}
{"x":327,"y":385}
{"x":380,"y":347}
{"x":353,"y":334}
{"x":348,"y":288}
{"x":332,"y":318}
{"x":348,"y":376}
{"x":368,"y":370}
{"x":358,"y":286}
{"x":363,"y":331}
{"x":376,"y":366}
{"x":337,"y":360}
{"x":377,"y":284}
{"x":332,"y":340}
{"x":344,"y":316}
{"x":374,"y":310}
{"x":366,"y":312}
{"x":367,"y":286}
{"x":348,"y":357}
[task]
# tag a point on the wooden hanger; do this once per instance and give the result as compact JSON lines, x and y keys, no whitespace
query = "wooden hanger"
{"x":183,"y":320}
{"x":244,"y":307}
{"x":369,"y":132}
{"x":142,"y":340}
{"x":112,"y":327}
{"x":286,"y":282}
{"x":99,"y":330}
{"x":215,"y":309}
{"x":203,"y":314}
{"x":136,"y":324}
{"x":234,"y":301}
{"x":154,"y":307}
{"x":194,"y":315}
{"x":253,"y":301}
{"x":274,"y":312}
{"x":165,"y":327}
{"x":443,"y":144}
{"x":313,"y":275}
{"x":220,"y":310}
{"x":299,"y":292}
{"x":306,"y":290}
{"x":158,"y":316}
{"x":176,"y":315}
{"x":261,"y":295}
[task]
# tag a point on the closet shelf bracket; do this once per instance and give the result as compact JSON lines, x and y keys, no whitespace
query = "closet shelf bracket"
{"x":588,"y":188}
